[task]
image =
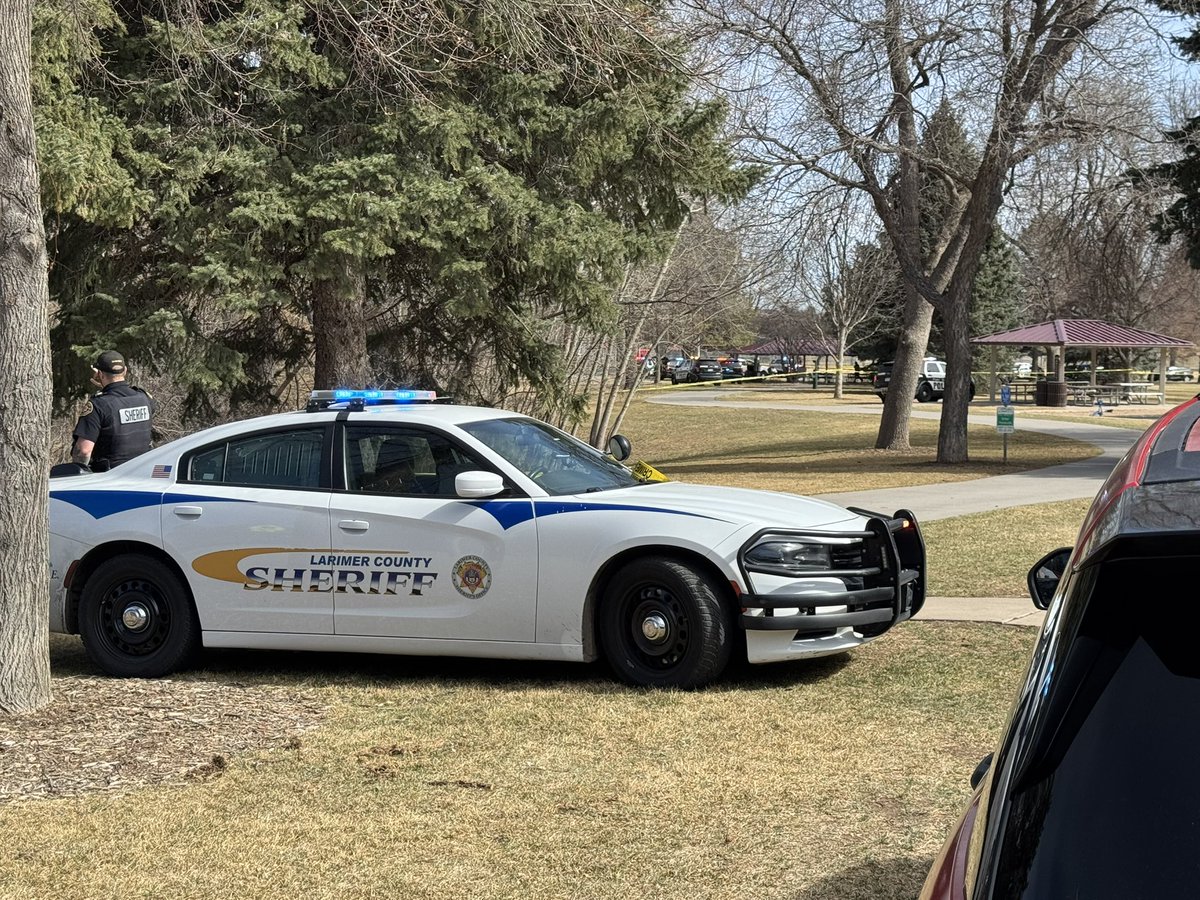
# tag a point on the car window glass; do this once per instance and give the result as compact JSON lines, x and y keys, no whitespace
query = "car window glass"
{"x":1106,"y":775}
{"x":208,"y":465}
{"x":1175,"y":455}
{"x":404,"y":461}
{"x":935,"y":368}
{"x":556,"y":461}
{"x":284,"y":459}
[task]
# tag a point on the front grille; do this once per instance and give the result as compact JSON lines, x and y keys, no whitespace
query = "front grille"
{"x":848,"y":556}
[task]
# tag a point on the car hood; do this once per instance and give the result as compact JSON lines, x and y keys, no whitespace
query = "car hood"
{"x":737,"y":506}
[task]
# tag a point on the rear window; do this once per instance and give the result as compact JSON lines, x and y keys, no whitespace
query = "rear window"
{"x":1105,"y":801}
{"x":1176,"y":453}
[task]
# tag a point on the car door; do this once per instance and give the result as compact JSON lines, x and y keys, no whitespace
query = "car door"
{"x":414,"y":559}
{"x":248,"y":523}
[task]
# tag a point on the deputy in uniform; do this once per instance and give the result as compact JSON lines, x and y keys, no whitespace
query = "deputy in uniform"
{"x":116,"y":425}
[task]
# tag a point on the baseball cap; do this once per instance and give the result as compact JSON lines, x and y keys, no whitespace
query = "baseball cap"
{"x":110,"y":361}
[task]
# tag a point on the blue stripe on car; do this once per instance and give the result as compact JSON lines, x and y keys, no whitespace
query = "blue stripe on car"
{"x":99,"y":504}
{"x":513,"y":512}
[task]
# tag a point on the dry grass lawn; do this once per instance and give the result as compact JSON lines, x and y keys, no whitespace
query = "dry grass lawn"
{"x":810,"y":452}
{"x":988,"y":554}
{"x":829,"y":780}
{"x":325,"y":776}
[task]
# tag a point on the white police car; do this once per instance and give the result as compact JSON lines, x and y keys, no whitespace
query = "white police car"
{"x":375,"y":522}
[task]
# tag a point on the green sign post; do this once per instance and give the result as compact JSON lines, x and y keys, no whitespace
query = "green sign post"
{"x":1006,"y":424}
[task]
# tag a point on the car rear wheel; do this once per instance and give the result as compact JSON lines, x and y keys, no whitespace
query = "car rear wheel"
{"x":663,"y":625}
{"x":924,"y":392}
{"x":136,"y":618}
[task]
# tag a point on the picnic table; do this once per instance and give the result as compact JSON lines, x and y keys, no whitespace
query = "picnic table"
{"x":1139,"y":392}
{"x":1022,"y":391}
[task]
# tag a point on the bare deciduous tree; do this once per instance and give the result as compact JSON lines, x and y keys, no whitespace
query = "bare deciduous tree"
{"x":837,"y":92}
{"x":695,"y":295}
{"x":843,"y":276}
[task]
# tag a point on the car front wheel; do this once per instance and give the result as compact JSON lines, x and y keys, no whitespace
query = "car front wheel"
{"x":663,"y":625}
{"x":924,"y":393}
{"x":136,"y":618}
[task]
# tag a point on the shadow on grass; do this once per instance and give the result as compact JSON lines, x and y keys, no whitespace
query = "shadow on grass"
{"x":313,"y":669}
{"x":889,"y":879}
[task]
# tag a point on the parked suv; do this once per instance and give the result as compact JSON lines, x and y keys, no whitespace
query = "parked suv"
{"x":1175,"y":373}
{"x":931,"y":384}
{"x":693,"y":370}
{"x":1091,"y":791}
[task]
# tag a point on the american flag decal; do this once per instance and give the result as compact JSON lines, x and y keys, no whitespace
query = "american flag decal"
{"x":161,"y":472}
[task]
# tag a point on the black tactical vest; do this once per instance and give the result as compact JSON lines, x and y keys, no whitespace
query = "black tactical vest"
{"x":125,"y":414}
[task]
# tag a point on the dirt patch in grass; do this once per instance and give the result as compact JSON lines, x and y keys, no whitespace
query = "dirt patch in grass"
{"x":103,"y":733}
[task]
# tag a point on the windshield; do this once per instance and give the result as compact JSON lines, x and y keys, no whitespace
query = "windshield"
{"x":559,"y":463}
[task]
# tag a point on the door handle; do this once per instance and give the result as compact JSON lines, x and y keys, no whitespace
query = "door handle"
{"x":353,"y":525}
{"x":188,"y":512}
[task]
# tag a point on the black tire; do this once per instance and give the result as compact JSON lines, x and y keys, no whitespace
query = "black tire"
{"x":924,"y":392}
{"x":684,"y":605}
{"x":136,"y":618}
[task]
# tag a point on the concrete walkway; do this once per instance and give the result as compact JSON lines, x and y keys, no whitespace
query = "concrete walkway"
{"x":1069,"y":481}
{"x":1005,"y":610}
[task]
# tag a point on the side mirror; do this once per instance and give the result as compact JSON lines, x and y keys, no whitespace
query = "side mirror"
{"x":619,"y":447}
{"x":478,"y":484}
{"x":1045,"y":575}
{"x":981,"y":770}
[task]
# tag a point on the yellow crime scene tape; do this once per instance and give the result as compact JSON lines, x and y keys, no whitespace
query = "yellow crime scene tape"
{"x":643,"y":471}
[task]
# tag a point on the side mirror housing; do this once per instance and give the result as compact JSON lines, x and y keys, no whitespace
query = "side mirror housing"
{"x":478,"y":484}
{"x":981,"y":770}
{"x":1045,"y":575}
{"x":619,"y":447}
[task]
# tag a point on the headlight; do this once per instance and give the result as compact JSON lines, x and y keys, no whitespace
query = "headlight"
{"x":788,"y":557}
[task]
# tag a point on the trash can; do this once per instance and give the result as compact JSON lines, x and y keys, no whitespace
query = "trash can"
{"x":1039,"y":393}
{"x":1056,"y":393}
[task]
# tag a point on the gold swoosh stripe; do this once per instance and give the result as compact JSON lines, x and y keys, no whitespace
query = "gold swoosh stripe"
{"x":225,"y":565}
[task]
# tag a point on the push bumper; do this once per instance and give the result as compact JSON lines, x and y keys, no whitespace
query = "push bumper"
{"x":884,"y":585}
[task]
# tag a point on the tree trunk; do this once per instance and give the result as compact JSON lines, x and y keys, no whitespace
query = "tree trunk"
{"x":26,"y":391}
{"x":897,"y":406}
{"x":841,"y":357}
{"x":952,"y":433}
{"x":339,"y":321}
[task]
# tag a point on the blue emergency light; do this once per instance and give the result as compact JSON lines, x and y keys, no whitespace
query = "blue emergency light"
{"x":360,"y":398}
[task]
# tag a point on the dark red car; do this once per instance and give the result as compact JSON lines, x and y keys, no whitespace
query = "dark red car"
{"x":1094,"y":789}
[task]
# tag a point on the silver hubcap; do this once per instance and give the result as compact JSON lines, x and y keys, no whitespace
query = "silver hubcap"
{"x":654,"y":628}
{"x":135,"y":617}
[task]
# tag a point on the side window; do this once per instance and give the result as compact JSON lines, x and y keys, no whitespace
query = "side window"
{"x":282,"y":459}
{"x":208,"y":465}
{"x":403,"y":461}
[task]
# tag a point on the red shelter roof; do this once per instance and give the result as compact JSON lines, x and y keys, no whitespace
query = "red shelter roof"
{"x":782,"y":347}
{"x":1080,"y":333}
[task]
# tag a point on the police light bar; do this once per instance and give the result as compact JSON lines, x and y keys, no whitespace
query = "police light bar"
{"x":356,"y":399}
